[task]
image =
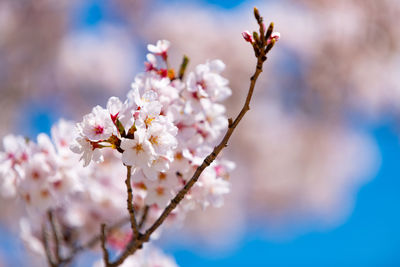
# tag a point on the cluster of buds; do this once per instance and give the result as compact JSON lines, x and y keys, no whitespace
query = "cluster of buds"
{"x":264,"y":40}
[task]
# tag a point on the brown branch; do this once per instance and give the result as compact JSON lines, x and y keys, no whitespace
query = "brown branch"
{"x":129,"y":200}
{"x":56,"y":236}
{"x":102,"y":236}
{"x":132,"y":217}
{"x":260,"y":48}
{"x":103,"y":244}
{"x":144,"y":217}
{"x":93,"y":241}
{"x":47,"y":247}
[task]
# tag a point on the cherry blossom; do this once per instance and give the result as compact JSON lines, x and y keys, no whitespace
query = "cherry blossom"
{"x":88,"y":150}
{"x":97,"y":126}
{"x":163,"y":130}
{"x":205,"y":81}
{"x":160,"y":48}
{"x":138,"y":151}
{"x":274,"y":36}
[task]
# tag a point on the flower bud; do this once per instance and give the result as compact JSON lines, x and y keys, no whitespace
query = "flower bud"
{"x":274,"y":36}
{"x":247,"y":36}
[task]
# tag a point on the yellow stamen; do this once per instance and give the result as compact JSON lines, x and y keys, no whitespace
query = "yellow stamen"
{"x":148,"y":121}
{"x":154,"y":140}
{"x":162,"y":176}
{"x":160,"y":191}
{"x":138,"y":148}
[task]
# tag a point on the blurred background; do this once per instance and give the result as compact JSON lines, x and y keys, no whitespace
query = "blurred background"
{"x":318,"y":155}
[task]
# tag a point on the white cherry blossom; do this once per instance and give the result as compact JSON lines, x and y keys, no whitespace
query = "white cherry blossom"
{"x":85,"y":147}
{"x":138,"y":152}
{"x":205,"y":81}
{"x":160,"y":48}
{"x":97,"y":125}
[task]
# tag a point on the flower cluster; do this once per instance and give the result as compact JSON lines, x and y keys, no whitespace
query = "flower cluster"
{"x":163,"y":130}
{"x":42,"y":174}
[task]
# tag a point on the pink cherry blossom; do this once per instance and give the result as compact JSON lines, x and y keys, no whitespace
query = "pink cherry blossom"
{"x":160,"y":48}
{"x":97,"y":125}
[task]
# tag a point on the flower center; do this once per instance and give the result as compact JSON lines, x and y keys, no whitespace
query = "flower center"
{"x":44,"y":193}
{"x":153,"y":140}
{"x":202,"y":84}
{"x":35,"y":175}
{"x":160,"y":191}
{"x":162,"y":176}
{"x":138,"y":148}
{"x":148,"y":121}
{"x":98,"y":129}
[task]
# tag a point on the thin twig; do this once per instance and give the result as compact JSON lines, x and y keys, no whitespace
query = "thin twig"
{"x":129,"y":200}
{"x":144,"y":217}
{"x":56,"y":236}
{"x":94,"y":240}
{"x":260,"y":49}
{"x":103,"y":244}
{"x":46,"y":246}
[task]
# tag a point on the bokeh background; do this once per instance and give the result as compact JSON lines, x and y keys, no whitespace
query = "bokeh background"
{"x":318,"y":157}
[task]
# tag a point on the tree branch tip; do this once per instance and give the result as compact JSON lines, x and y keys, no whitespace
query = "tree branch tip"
{"x":256,"y":13}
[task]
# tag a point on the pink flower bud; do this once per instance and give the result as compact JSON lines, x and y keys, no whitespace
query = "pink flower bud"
{"x":247,"y":36}
{"x":274,"y":36}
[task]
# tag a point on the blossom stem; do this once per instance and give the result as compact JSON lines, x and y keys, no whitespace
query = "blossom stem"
{"x":129,"y":200}
{"x":47,"y":247}
{"x":56,"y":235}
{"x":144,"y":217}
{"x":94,"y":240}
{"x":103,"y":244}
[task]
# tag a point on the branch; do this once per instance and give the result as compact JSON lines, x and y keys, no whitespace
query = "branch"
{"x":261,"y":48}
{"x":103,"y":244}
{"x":144,"y":217}
{"x":46,"y":247}
{"x":94,"y":240}
{"x":102,"y":236}
{"x":56,"y":236}
{"x":130,"y":207}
